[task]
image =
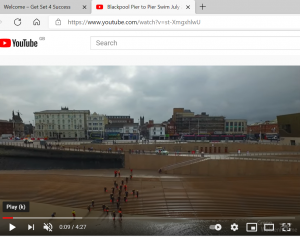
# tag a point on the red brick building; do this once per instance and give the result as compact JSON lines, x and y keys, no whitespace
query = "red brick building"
{"x":171,"y":129}
{"x":6,"y":127}
{"x":263,"y":127}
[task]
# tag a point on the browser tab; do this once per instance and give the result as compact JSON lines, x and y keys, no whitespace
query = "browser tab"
{"x":45,"y":7}
{"x":136,"y":7}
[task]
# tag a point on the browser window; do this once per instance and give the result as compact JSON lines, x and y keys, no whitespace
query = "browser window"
{"x":149,"y":117}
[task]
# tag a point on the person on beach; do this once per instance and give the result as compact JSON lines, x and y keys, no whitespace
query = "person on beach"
{"x":125,"y":187}
{"x":113,"y":190}
{"x":120,"y":210}
{"x":107,"y":210}
{"x":137,"y":193}
{"x":126,"y":193}
{"x":89,"y":208}
{"x":133,"y":192}
{"x":120,"y":215}
{"x":74,"y":214}
{"x":103,"y":207}
{"x":114,"y":215}
{"x":125,"y":199}
{"x":93,"y":204}
{"x":119,"y":173}
{"x":105,"y":189}
{"x":122,"y":181}
{"x":53,"y":214}
{"x":121,"y":186}
{"x":119,"y":199}
{"x":130,"y":176}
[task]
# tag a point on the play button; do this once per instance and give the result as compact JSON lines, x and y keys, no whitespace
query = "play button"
{"x":11,"y":227}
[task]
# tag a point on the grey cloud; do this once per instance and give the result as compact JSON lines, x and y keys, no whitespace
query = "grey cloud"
{"x":253,"y":93}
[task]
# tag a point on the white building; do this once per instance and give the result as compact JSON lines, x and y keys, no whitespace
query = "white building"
{"x":157,"y":132}
{"x":96,"y":125}
{"x":62,"y":123}
{"x":235,"y":126}
{"x":130,"y":131}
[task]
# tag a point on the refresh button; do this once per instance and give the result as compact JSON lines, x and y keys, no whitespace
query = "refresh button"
{"x":17,"y":21}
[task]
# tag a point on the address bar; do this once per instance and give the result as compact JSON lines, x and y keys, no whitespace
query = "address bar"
{"x":198,"y":22}
{"x":114,"y":22}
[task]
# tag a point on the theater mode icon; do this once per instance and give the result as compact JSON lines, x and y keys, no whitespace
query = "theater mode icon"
{"x":269,"y":227}
{"x":5,"y":43}
{"x":99,"y":6}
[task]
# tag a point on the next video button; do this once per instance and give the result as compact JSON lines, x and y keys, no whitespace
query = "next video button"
{"x":15,"y":206}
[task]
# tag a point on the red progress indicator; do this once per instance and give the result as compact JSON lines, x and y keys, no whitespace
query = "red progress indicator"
{"x":7,"y":218}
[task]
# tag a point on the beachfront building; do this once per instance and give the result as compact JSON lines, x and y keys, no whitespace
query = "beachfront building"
{"x":130,"y":131}
{"x":28,"y":130}
{"x":235,"y":126}
{"x":289,"y":129}
{"x":6,"y":127}
{"x":263,"y":130}
{"x":186,"y":122}
{"x":113,"y":131}
{"x":96,"y":125}
{"x":157,"y":132}
{"x":121,"y":119}
{"x":18,"y":125}
{"x":61,"y":124}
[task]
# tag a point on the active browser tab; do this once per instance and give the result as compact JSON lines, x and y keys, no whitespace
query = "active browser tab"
{"x":45,"y":7}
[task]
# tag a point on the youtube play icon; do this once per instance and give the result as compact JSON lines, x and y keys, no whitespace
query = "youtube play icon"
{"x":5,"y":43}
{"x":99,"y":6}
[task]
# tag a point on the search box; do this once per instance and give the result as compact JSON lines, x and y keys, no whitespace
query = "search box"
{"x":194,"y":43}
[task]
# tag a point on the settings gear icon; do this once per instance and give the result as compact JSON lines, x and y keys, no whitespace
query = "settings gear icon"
{"x":234,"y":227}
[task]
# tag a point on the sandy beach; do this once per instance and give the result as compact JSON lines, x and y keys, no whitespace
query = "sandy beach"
{"x":167,"y":204}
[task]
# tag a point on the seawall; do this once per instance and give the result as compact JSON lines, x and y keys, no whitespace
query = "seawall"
{"x":19,"y":158}
{"x":231,"y":147}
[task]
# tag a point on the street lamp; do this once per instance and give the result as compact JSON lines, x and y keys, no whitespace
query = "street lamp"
{"x":260,"y":131}
{"x":13,"y":127}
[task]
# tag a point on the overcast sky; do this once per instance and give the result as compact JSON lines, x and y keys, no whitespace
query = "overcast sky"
{"x":252,"y":93}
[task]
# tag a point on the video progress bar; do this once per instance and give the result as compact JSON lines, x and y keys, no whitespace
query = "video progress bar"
{"x":42,"y":218}
{"x":155,"y":218}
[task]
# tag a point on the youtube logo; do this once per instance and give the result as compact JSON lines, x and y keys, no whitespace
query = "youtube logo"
{"x":5,"y":43}
{"x":99,"y":6}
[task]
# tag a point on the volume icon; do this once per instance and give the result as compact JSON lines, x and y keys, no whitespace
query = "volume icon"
{"x":31,"y":227}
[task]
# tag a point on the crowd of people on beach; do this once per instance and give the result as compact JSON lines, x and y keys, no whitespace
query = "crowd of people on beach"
{"x":119,"y":189}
